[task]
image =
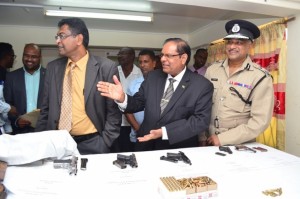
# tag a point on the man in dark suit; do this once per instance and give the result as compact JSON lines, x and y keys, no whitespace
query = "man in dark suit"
{"x":187,"y":112}
{"x":23,"y":88}
{"x":92,"y":120}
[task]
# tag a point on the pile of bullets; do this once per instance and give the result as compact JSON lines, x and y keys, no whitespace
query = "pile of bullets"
{"x":190,"y":185}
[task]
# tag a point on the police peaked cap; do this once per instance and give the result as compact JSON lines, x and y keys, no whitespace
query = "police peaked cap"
{"x":241,"y":29}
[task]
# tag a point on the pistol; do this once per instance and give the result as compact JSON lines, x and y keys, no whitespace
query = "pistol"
{"x":70,"y":164}
{"x":225,"y":149}
{"x":128,"y":159}
{"x":185,"y":158}
{"x":244,"y":148}
{"x":177,"y":156}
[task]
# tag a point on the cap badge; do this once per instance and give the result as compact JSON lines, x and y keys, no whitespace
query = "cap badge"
{"x":236,"y":28}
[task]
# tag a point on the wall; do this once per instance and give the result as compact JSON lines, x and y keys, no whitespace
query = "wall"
{"x":292,"y":89}
{"x":18,"y":36}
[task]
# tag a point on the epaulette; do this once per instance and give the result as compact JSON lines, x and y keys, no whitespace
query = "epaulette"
{"x":218,"y":62}
{"x":266,"y":72}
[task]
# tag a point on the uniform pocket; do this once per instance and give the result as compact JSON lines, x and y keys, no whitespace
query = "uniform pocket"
{"x":234,"y":101}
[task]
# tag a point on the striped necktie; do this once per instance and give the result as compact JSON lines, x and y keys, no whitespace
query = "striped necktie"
{"x":65,"y":120}
{"x":167,"y":95}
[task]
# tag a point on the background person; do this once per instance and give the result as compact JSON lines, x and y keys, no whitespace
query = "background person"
{"x":147,"y":64}
{"x":24,"y":88}
{"x":128,"y":72}
{"x":200,"y":58}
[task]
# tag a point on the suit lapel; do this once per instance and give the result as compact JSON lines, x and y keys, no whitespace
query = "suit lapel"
{"x":21,"y":77}
{"x":92,"y":69}
{"x":182,"y":86}
{"x":40,"y":94}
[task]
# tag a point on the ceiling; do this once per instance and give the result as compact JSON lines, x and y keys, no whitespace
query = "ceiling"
{"x":169,"y":16}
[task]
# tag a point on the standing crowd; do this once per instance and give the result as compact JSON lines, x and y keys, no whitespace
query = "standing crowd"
{"x":143,"y":105}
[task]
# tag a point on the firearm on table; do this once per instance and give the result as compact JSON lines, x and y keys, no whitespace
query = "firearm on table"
{"x":70,"y":164}
{"x":225,"y":149}
{"x":123,"y":160}
{"x":174,"y":157}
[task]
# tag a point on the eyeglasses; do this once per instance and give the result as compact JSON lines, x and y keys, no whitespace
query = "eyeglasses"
{"x":169,"y":56}
{"x":62,"y":37}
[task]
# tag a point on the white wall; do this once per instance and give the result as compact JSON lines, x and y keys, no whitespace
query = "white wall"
{"x":292,"y":89}
{"x":18,"y":36}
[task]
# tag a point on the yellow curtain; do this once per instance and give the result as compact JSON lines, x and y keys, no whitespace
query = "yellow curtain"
{"x":270,"y":52}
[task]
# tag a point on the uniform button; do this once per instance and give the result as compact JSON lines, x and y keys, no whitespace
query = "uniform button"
{"x":222,"y":98}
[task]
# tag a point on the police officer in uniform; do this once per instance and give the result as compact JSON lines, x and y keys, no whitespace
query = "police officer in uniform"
{"x":243,"y":96}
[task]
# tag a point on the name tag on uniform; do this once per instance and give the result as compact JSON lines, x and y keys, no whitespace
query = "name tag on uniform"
{"x":214,"y":79}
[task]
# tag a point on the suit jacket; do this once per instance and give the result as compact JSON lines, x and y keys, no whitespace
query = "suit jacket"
{"x":186,"y":115}
{"x":103,"y":112}
{"x":15,"y":95}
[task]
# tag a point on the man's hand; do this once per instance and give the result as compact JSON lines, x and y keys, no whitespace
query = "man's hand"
{"x":214,"y":140}
{"x":23,"y":123}
{"x":113,"y":91}
{"x":154,"y":134}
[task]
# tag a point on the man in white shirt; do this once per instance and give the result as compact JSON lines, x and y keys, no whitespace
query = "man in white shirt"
{"x":128,"y":72}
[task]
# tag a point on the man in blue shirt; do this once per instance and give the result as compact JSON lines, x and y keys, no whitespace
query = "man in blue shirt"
{"x":147,"y":63}
{"x":23,"y":88}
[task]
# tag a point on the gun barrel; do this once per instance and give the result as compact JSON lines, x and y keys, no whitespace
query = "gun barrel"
{"x":185,"y":158}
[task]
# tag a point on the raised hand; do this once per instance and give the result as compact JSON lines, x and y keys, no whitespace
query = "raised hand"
{"x":113,"y":91}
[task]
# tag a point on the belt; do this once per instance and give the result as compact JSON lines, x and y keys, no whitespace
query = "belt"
{"x":81,"y":138}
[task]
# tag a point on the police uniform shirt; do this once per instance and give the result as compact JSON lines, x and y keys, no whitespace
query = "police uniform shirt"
{"x":237,"y":121}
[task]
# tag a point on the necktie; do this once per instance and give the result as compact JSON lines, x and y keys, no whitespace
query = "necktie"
{"x":167,"y":95}
{"x":65,"y":120}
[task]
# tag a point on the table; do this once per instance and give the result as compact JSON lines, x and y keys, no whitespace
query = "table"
{"x":239,"y":175}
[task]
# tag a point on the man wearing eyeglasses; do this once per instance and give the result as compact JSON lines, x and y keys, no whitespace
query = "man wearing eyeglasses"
{"x":71,"y":101}
{"x":176,"y":101}
{"x":24,"y":88}
{"x":243,"y":91}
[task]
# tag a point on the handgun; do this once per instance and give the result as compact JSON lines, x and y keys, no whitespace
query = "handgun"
{"x":244,"y":148}
{"x":119,"y":164}
{"x":225,"y":149}
{"x":70,"y":164}
{"x":185,"y":158}
{"x":179,"y":157}
{"x":128,"y":159}
{"x":169,"y":159}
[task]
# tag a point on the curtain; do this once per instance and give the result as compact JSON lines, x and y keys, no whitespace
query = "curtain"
{"x":270,"y":52}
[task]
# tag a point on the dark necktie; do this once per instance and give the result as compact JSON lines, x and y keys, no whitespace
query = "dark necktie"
{"x":65,"y":120}
{"x":167,"y":95}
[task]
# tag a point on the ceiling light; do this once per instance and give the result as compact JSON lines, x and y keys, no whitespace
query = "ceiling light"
{"x":101,"y":14}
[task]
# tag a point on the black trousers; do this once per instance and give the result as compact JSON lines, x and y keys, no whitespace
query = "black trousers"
{"x":123,"y":143}
{"x":91,"y":144}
